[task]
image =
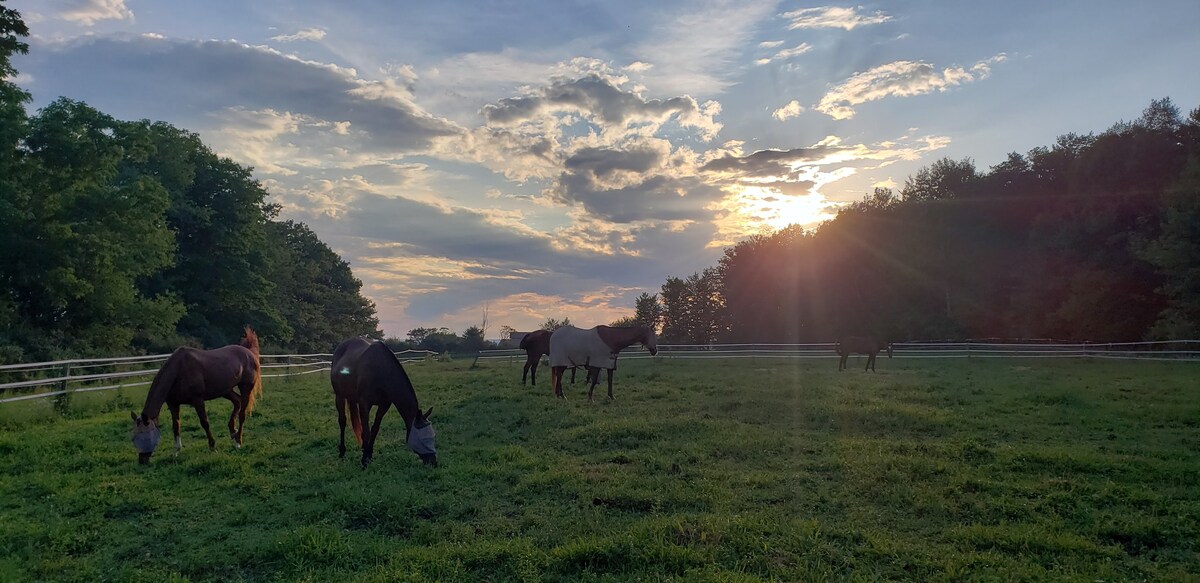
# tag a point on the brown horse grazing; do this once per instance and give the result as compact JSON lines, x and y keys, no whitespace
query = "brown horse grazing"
{"x":366,"y":374}
{"x":861,"y":345}
{"x":192,"y":376}
{"x":536,"y":344}
{"x":595,"y":349}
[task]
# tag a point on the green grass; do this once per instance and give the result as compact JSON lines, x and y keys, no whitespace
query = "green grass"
{"x":700,"y":471}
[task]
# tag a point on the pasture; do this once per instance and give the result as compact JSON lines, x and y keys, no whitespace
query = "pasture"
{"x":744,"y":470}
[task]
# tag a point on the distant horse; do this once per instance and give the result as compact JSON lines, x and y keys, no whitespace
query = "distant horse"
{"x":596,"y":349}
{"x":366,"y":374}
{"x":536,"y":345}
{"x":861,"y":345}
{"x":192,"y":376}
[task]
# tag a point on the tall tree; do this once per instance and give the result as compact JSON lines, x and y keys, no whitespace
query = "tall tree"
{"x":647,"y":311}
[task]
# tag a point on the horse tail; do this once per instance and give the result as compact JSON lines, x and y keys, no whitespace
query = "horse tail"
{"x":355,"y":421}
{"x":250,"y":342}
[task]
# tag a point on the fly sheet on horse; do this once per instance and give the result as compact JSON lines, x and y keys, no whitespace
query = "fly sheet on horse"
{"x":594,"y":348}
{"x":191,"y":376}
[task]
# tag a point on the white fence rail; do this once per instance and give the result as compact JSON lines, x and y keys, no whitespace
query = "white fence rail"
{"x":1170,"y":350}
{"x":40,"y":380}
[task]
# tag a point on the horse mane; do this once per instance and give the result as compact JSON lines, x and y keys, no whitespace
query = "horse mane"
{"x":250,"y":342}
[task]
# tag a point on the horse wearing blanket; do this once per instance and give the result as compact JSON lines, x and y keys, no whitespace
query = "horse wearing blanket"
{"x":595,"y":348}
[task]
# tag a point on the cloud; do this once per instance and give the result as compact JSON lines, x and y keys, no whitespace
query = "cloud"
{"x":899,"y":79}
{"x":785,"y":54}
{"x":638,"y":67}
{"x":302,"y":34}
{"x":603,"y":102}
{"x":697,"y":51}
{"x":832,"y":17}
{"x":89,"y":12}
{"x":190,"y":82}
{"x":792,"y":109}
{"x":770,"y":44}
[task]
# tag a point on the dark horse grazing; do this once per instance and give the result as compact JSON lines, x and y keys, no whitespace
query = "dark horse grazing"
{"x":536,"y":345}
{"x":366,"y":374}
{"x":192,"y":376}
{"x":595,"y":349}
{"x":861,"y":345}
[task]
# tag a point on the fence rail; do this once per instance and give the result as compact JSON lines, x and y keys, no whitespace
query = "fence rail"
{"x":1188,"y":350}
{"x":40,"y":380}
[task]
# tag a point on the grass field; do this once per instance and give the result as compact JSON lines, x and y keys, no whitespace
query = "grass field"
{"x":724,"y":471}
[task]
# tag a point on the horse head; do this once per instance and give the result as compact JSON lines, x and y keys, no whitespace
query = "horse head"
{"x":421,"y":438}
{"x":649,"y":341}
{"x":145,"y":436}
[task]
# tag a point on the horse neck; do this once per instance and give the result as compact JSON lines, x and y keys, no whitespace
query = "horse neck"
{"x":403,"y":396}
{"x":621,"y":338}
{"x":161,"y":386}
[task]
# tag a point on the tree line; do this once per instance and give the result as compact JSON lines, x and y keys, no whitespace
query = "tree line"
{"x":133,"y":235}
{"x":1093,"y":238}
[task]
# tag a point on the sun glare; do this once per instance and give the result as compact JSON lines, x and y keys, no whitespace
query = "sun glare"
{"x":775,"y":210}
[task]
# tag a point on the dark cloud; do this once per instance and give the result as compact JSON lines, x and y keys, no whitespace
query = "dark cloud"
{"x":591,"y":95}
{"x":184,"y":81}
{"x":764,"y":163}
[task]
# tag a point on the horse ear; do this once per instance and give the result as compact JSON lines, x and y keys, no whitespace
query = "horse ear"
{"x":132,"y":416}
{"x":428,"y":413}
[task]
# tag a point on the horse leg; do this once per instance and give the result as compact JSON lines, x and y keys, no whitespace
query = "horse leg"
{"x":592,"y":380}
{"x":340,"y":405}
{"x":525,"y":371}
{"x":174,"y":407}
{"x":369,"y":448}
{"x":203,"y":414}
{"x":610,"y":376}
{"x":556,"y":374}
{"x":573,"y":369}
{"x":236,"y":436}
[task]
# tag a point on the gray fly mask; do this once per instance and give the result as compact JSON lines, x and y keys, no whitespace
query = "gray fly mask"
{"x":421,"y":441}
{"x":145,"y":438}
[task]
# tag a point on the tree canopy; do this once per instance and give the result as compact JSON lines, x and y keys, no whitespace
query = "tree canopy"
{"x":124,"y":236}
{"x":1096,"y":237}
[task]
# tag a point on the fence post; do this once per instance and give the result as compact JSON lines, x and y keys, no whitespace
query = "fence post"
{"x":288,"y":370}
{"x":62,"y":402}
{"x":476,"y":361}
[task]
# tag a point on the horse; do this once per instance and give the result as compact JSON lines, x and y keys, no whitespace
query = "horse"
{"x":536,"y":344}
{"x":861,"y":345}
{"x":191,"y":376}
{"x":595,"y":348}
{"x":366,"y":374}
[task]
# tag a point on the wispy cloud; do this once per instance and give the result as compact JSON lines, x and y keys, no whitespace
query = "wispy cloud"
{"x":302,"y":34}
{"x":792,"y":109}
{"x":899,"y":79}
{"x":832,"y":17}
{"x":89,"y":12}
{"x":696,"y":51}
{"x":785,"y":54}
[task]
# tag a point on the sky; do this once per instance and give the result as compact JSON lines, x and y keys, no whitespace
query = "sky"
{"x":556,"y":159}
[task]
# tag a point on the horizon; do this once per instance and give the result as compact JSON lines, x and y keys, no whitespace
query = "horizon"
{"x":559,"y":167}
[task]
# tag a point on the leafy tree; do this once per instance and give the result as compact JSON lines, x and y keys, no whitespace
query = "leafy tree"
{"x":88,"y":231}
{"x":552,"y":324}
{"x":472,"y":339}
{"x":1176,"y":253}
{"x":315,"y":290}
{"x":647,"y":311}
{"x":626,"y":321}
